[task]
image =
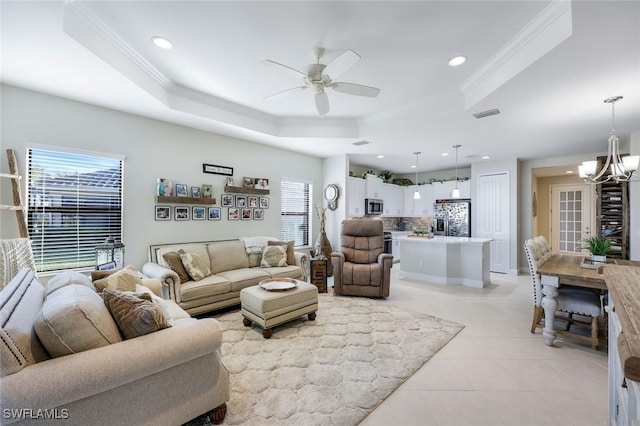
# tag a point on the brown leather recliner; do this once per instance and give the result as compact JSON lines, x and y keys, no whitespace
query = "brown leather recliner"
{"x":361,"y":268}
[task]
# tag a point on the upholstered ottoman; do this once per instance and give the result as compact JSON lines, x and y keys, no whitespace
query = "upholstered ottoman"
{"x":271,"y":308}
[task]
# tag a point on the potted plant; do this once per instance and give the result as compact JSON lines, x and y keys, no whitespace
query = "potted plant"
{"x":599,"y":247}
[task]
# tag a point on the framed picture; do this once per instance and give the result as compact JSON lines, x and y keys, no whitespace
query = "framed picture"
{"x":106,"y":266}
{"x":198,"y":213}
{"x":226,"y":200}
{"x":163,"y":213}
{"x":261,"y":183}
{"x":264,"y":202}
{"x":207,"y":191}
{"x":181,"y":190}
{"x":181,"y":213}
{"x":252,"y":202}
{"x":258,"y":214}
{"x":163,"y":187}
{"x":229,"y":181}
{"x":217,"y":170}
{"x":195,"y":192}
{"x":214,"y":213}
{"x":241,"y":201}
{"x":246,"y":214}
{"x":247,"y":182}
{"x":233,"y":214}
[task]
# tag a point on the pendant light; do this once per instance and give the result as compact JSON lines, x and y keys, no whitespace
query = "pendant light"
{"x":416,"y":193}
{"x":455,"y":193}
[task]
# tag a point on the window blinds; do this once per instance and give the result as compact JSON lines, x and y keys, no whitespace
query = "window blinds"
{"x":74,"y":204}
{"x":295,"y":210}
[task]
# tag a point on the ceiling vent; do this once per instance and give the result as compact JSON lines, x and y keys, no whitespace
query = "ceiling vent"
{"x":360,"y":143}
{"x":487,"y":113}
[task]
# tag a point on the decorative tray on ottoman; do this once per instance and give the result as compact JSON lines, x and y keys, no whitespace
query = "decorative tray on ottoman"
{"x":278,"y":284}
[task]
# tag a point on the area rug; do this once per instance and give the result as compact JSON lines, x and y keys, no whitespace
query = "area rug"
{"x":331,"y":371}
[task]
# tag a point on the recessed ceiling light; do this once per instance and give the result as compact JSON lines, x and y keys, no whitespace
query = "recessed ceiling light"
{"x":413,"y":166}
{"x":444,"y":154}
{"x":485,"y":157}
{"x":380,"y":156}
{"x":569,"y":172}
{"x":162,"y":42}
{"x":456,"y":61}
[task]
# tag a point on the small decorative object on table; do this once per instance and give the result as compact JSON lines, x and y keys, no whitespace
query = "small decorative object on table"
{"x":599,"y":247}
{"x":278,"y":284}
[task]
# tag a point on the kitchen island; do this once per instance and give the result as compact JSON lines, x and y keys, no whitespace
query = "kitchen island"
{"x":446,"y":260}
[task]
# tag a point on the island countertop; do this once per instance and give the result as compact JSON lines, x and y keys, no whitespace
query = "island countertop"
{"x":447,"y":240}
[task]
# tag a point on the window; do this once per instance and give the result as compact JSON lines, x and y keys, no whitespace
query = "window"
{"x":74,"y":204}
{"x":295,"y":210}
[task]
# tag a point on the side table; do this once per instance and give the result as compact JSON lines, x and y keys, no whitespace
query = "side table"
{"x":318,"y":275}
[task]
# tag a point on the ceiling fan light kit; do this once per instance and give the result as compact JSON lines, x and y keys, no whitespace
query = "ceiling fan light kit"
{"x":319,"y":77}
{"x":615,"y":168}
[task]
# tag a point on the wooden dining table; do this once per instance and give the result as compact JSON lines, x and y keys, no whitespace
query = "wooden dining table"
{"x":566,"y":269}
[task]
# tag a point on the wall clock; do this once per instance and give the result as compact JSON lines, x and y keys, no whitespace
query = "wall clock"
{"x":331,"y":194}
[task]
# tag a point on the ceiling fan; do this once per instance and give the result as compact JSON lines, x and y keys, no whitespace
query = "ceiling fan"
{"x":319,"y":76}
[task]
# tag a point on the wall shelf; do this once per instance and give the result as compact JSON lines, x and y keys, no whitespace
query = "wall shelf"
{"x":243,"y":190}
{"x":160,"y":199}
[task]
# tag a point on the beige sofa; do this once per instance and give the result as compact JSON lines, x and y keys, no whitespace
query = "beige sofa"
{"x":234,"y":264}
{"x":166,"y":377}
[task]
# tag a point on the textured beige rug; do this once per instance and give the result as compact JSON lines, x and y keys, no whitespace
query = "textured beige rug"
{"x":331,"y":371}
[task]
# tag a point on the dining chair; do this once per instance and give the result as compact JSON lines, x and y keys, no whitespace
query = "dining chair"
{"x":571,"y":300}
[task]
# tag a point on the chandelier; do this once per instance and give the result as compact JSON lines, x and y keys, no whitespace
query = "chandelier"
{"x":455,"y":192}
{"x":615,"y":168}
{"x":416,"y":193}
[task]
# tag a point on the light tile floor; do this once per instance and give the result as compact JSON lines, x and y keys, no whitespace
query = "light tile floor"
{"x":495,"y":372}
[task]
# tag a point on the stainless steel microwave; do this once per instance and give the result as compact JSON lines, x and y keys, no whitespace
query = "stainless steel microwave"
{"x":373,"y":206}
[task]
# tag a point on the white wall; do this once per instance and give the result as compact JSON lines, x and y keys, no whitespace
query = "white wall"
{"x":335,"y":171}
{"x":152,"y":149}
{"x":634,"y":203}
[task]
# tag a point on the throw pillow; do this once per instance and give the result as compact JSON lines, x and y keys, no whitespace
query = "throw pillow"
{"x":74,"y":319}
{"x":136,"y":315}
{"x":98,"y":275}
{"x":162,"y":304}
{"x":195,"y":266}
{"x":291,"y":259}
{"x":274,"y":256}
{"x":66,"y":278}
{"x":175,"y":263}
{"x":123,"y":280}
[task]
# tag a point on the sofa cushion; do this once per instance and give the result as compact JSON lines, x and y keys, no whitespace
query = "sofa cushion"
{"x":200,"y":248}
{"x":195,"y":266}
{"x":136,"y":315}
{"x":254,"y":259}
{"x":245,"y":277}
{"x":124,"y":280}
{"x":66,"y":278}
{"x":291,"y":259}
{"x":274,"y":256}
{"x":20,"y":302}
{"x":227,"y":255}
{"x":74,"y":319}
{"x":174,"y":261}
{"x":288,"y":271}
{"x":209,"y":286}
{"x":159,"y":301}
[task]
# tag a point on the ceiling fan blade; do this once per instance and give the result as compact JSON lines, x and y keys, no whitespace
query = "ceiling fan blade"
{"x":342,"y":63}
{"x":356,"y":89}
{"x":291,"y":71}
{"x":322,"y":103}
{"x":278,"y":94}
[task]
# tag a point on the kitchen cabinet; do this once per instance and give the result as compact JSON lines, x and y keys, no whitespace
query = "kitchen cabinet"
{"x":393,"y":197}
{"x":374,"y":187}
{"x":355,"y":196}
{"x":442,"y":191}
{"x":421,"y":207}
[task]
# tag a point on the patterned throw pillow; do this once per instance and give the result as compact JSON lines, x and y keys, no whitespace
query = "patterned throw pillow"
{"x":123,"y":280}
{"x":175,"y":263}
{"x":195,"y":266}
{"x":274,"y":256}
{"x":291,"y":259}
{"x":136,"y":315}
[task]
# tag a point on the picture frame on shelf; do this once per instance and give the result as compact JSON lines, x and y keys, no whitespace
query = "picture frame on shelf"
{"x":246,"y":214}
{"x":181,"y":213}
{"x":229,"y":181}
{"x":106,"y":266}
{"x":264,"y":202}
{"x":163,"y":213}
{"x":207,"y":191}
{"x":163,"y":187}
{"x":258,"y":214}
{"x":252,"y":202}
{"x":226,"y":200}
{"x":247,"y":182}
{"x":261,"y":183}
{"x":241,"y":201}
{"x":233,"y":214}
{"x":214,"y":213}
{"x":181,"y":190}
{"x":198,"y":213}
{"x":196,"y":192}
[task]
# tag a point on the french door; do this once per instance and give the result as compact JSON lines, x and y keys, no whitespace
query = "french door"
{"x":571,"y":217}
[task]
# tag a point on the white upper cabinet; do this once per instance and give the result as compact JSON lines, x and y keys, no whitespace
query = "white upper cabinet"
{"x":392,"y":195}
{"x":422,"y":206}
{"x":442,"y":191}
{"x":374,"y":187}
{"x":355,"y":196}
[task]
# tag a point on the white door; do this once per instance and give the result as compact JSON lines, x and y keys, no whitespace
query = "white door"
{"x":570,"y":217}
{"x":492,"y":217}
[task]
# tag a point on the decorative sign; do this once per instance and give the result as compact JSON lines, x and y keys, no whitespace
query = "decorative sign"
{"x":217,"y":170}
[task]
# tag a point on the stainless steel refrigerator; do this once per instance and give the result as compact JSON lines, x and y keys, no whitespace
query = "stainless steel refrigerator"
{"x":452,"y":217}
